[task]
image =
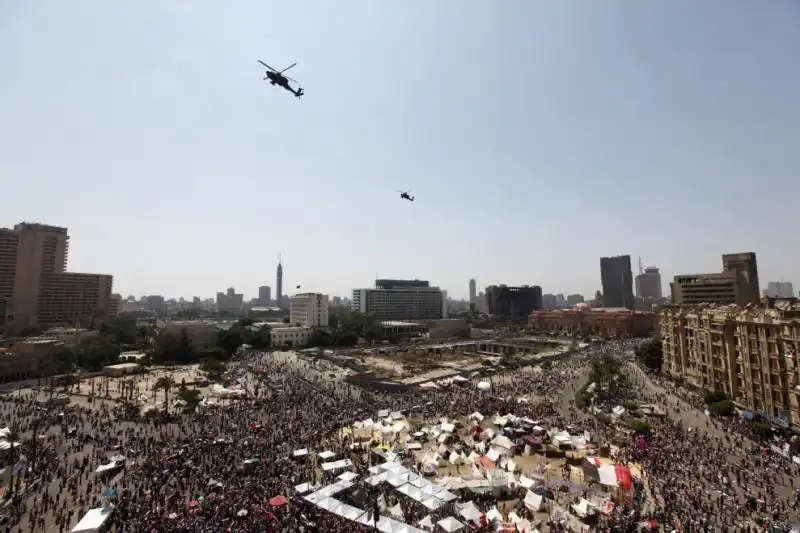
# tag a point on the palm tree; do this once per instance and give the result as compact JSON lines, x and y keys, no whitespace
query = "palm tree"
{"x":164,"y":383}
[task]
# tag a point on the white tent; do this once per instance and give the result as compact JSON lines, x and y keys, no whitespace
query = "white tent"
{"x":450,"y":524}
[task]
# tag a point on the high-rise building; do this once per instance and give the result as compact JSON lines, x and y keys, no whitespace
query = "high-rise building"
{"x":616,"y":277}
{"x":746,"y":267}
{"x":648,"y":284}
{"x":279,"y":286}
{"x":309,"y":310}
{"x":264,"y":295}
{"x":394,"y":299}
{"x":472,"y":291}
{"x":574,"y":299}
{"x":779,"y":289}
{"x":35,"y":288}
{"x":513,"y":302}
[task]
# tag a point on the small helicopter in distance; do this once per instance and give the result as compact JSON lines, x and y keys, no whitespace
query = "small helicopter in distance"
{"x":277,"y":77}
{"x":406,"y":196}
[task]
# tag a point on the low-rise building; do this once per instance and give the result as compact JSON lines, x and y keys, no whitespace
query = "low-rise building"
{"x":748,"y":353}
{"x":70,"y":336}
{"x":585,"y":320}
{"x":199,"y":332}
{"x":28,"y":359}
{"x":289,"y":336}
{"x":309,"y":309}
{"x":122,"y":369}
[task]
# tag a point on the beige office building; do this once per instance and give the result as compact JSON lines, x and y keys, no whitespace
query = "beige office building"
{"x":736,"y":284}
{"x":35,"y":288}
{"x":750,"y":354}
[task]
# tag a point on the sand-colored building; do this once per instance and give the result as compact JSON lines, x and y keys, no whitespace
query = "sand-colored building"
{"x":749,"y":353}
{"x":35,"y":288}
{"x":584,"y":320}
{"x":28,"y":359}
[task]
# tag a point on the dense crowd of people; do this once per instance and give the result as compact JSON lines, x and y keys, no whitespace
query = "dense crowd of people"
{"x":224,"y":468}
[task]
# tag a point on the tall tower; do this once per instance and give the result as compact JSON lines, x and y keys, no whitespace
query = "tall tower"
{"x":279,"y":285}
{"x":472,"y":291}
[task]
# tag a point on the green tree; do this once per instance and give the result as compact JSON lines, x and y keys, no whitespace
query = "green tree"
{"x":651,"y":354}
{"x":94,"y":354}
{"x":171,"y":348}
{"x":230,"y":339}
{"x":641,"y":427}
{"x":285,"y":320}
{"x":721,"y":408}
{"x":214,"y":368}
{"x":164,"y":383}
{"x":191,"y":397}
{"x":259,"y":339}
{"x":760,"y":430}
{"x":246,"y":322}
{"x":712,"y":397}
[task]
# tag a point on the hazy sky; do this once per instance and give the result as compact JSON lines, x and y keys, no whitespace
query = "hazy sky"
{"x":537,"y":136}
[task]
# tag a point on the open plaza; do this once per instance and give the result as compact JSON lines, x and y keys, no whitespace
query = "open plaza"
{"x":466,"y":436}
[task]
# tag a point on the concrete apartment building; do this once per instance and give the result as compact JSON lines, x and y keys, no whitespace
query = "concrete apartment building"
{"x":394,"y":299}
{"x":616,"y":278}
{"x":749,"y":353}
{"x":35,"y":288}
{"x":309,"y":310}
{"x":736,"y":284}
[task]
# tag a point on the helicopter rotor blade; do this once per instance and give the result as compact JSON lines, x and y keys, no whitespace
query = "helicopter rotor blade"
{"x":287,"y":68}
{"x":269,"y":67}
{"x":292,"y":79}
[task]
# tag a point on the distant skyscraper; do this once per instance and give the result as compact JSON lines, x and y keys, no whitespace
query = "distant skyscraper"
{"x":279,"y":285}
{"x":472,"y":291}
{"x":648,"y":284}
{"x":264,"y":294}
{"x":746,"y":267}
{"x":616,"y":277}
{"x":779,"y":289}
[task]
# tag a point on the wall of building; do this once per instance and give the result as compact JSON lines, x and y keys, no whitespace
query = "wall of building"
{"x":513,"y":302}
{"x":750,"y":354}
{"x":613,"y":323}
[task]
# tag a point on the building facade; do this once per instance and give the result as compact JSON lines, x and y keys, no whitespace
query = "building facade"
{"x":648,"y":284}
{"x":309,"y":310}
{"x":745,"y":266}
{"x":750,"y":354}
{"x":473,"y":291}
{"x":736,"y":284}
{"x":401,"y":300}
{"x":264,"y":295}
{"x":616,"y":277}
{"x":601,"y":321}
{"x":35,"y":288}
{"x":289,"y":336}
{"x":513,"y":302}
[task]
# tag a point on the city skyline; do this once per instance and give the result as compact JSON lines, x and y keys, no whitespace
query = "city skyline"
{"x":606,"y":130}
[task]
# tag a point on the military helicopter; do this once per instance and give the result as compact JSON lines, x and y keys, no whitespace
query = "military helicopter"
{"x":277,"y":77}
{"x":406,"y":196}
